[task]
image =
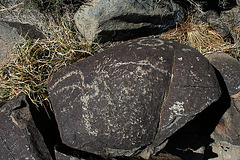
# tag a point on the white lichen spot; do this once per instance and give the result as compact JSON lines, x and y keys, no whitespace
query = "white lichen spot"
{"x":152,"y":43}
{"x":180,"y":58}
{"x":238,"y":87}
{"x":198,"y":59}
{"x":170,"y":46}
{"x":163,"y":48}
{"x":87,"y":118}
{"x":142,"y":63}
{"x":77,"y":72}
{"x":139,"y":48}
{"x":177,"y":108}
{"x":186,"y":49}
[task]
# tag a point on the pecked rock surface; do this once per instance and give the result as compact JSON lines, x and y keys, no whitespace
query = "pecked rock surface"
{"x":131,"y":97}
{"x":126,"y":19}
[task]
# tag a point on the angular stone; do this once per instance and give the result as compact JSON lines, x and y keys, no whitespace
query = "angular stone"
{"x":228,"y":128}
{"x":132,"y":96}
{"x":124,"y":19}
{"x":225,"y":151}
{"x":8,"y":37}
{"x":19,"y":137}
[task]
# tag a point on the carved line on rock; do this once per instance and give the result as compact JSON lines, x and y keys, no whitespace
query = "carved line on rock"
{"x":141,"y":63}
{"x":77,"y":72}
{"x":144,"y":42}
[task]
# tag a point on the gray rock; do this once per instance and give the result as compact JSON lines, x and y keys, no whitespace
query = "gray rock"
{"x":131,"y":97}
{"x":214,"y":20}
{"x":19,"y":137}
{"x":231,"y":18}
{"x":125,"y":19}
{"x":228,"y":129}
{"x":21,"y":11}
{"x":8,"y":37}
{"x":12,"y":33}
{"x":225,"y":151}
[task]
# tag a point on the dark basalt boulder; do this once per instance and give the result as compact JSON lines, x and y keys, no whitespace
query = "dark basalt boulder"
{"x":228,"y":129}
{"x":129,"y":99}
{"x":19,"y":136}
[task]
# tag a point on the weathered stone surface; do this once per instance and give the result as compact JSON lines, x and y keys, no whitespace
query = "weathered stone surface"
{"x":226,"y":151}
{"x":228,"y":128}
{"x":19,"y":137}
{"x":232,"y":19}
{"x":124,"y":19}
{"x":21,"y":11}
{"x":8,"y":37}
{"x":132,"y":96}
{"x":230,"y":70}
{"x":12,"y":33}
{"x":214,"y":20}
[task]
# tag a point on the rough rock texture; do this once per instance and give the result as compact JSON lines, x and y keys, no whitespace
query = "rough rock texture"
{"x":214,"y":20}
{"x":8,"y":37}
{"x":13,"y":32}
{"x":124,"y":19}
{"x":132,"y":96}
{"x":226,"y":151}
{"x":18,"y":11}
{"x":19,"y":137}
{"x":228,"y":128}
{"x":232,"y":19}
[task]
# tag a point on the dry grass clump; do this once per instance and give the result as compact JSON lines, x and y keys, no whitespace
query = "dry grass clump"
{"x":200,"y":36}
{"x":35,"y":60}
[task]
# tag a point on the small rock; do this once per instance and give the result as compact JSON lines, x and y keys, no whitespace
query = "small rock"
{"x":132,"y":97}
{"x":124,"y":19}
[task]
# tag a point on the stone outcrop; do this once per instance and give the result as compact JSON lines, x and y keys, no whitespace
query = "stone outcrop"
{"x":132,"y":96}
{"x":124,"y":19}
